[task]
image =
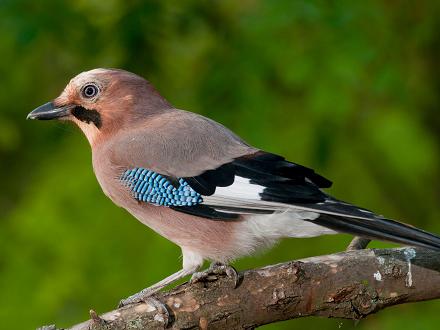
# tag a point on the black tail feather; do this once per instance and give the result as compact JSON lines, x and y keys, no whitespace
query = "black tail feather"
{"x":381,"y":229}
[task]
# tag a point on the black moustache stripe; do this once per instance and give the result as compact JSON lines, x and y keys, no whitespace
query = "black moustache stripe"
{"x":87,"y":115}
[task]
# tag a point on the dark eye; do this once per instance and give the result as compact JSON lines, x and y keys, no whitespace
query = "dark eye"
{"x":90,"y":90}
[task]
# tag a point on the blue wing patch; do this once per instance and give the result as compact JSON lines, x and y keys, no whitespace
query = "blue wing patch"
{"x":149,"y":186}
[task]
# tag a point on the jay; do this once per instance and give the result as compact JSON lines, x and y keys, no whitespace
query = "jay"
{"x":198,"y":184}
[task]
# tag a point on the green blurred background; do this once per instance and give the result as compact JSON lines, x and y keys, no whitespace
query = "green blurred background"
{"x":350,"y":88}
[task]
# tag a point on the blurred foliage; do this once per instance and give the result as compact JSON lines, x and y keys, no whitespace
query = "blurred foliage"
{"x":350,"y":88}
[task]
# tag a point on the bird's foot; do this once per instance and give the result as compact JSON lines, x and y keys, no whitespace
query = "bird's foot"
{"x":358,"y":243}
{"x":211,"y":274}
{"x":144,"y":296}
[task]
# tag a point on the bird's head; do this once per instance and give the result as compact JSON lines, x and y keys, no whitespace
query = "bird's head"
{"x":103,"y":101}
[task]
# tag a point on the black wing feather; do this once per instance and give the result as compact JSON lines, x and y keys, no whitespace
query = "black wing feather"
{"x":269,"y":164}
{"x":285,"y":182}
{"x":206,"y":182}
{"x":206,"y":212}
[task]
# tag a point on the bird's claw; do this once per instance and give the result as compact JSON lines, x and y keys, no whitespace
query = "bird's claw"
{"x":163,"y":315}
{"x":211,"y":274}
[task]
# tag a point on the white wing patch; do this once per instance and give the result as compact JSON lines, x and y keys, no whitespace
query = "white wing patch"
{"x":246,"y":195}
{"x":241,"y":194}
{"x":241,"y":188}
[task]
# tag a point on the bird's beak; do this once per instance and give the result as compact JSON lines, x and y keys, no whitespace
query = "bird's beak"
{"x":49,"y":111}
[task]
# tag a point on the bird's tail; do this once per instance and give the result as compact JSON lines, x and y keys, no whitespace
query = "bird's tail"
{"x":381,"y":229}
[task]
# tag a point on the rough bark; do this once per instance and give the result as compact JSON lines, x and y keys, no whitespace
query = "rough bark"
{"x":348,"y":285}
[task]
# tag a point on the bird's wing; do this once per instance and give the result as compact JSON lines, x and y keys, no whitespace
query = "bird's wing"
{"x":216,"y":174}
{"x":252,"y":184}
{"x":196,"y":166}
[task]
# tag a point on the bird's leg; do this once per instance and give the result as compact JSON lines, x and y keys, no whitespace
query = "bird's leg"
{"x":191,"y":262}
{"x":216,"y":268}
{"x":358,"y":243}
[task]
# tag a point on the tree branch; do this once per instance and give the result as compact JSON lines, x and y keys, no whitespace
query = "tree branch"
{"x":347,"y":285}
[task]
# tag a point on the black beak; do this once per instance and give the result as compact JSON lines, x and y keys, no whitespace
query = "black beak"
{"x":50,"y":111}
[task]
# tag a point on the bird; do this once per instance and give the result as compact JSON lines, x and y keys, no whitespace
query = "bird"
{"x":196,"y":183}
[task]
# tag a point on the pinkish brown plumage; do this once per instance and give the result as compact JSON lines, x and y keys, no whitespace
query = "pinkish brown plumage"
{"x":196,"y":183}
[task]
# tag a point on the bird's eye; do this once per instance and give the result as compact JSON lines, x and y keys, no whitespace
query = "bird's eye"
{"x":90,"y":90}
